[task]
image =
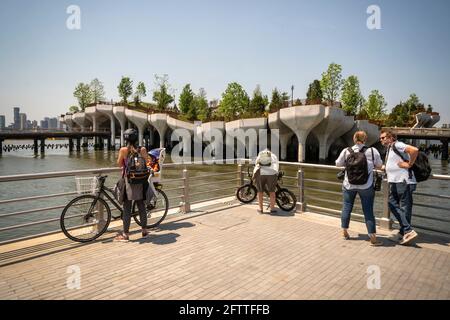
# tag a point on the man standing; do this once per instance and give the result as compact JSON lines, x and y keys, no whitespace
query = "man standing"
{"x":402,"y":182}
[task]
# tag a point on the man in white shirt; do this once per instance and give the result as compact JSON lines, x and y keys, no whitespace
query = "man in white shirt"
{"x":265,"y":175}
{"x":402,"y":182}
{"x":366,"y":190}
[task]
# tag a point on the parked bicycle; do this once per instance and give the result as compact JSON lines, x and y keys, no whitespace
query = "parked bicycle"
{"x":285,"y":199}
{"x":88,"y":216}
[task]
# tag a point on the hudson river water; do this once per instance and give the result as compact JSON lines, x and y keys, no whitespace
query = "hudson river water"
{"x":23,"y":161}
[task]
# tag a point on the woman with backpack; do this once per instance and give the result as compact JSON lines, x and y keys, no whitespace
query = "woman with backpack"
{"x":359,"y":162}
{"x":130,"y":159}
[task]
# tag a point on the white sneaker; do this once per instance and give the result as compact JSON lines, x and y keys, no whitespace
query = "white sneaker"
{"x":408,"y":237}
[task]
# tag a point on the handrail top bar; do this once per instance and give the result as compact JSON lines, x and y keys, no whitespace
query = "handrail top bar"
{"x":59,"y":174}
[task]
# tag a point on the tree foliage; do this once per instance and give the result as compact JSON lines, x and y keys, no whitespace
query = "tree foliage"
{"x":185,"y":102}
{"x":200,"y":102}
{"x":258,"y":103}
{"x":83,"y":94}
{"x":140,"y":93}
{"x":375,"y":106}
{"x":74,"y":109}
{"x":331,"y":83}
{"x":276,"y":101}
{"x":125,"y":88}
{"x":314,"y":94}
{"x":161,"y":96}
{"x":234,"y":101}
{"x":351,"y":98}
{"x":97,"y":90}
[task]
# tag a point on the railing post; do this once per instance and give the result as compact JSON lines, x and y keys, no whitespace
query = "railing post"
{"x":240,"y":175}
{"x":301,"y":189}
{"x":186,"y":207}
{"x":385,"y":221}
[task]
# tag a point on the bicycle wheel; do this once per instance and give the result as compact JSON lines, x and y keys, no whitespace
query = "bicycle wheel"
{"x":85,"y":218}
{"x":246,"y":193}
{"x":286,"y":200}
{"x":156,"y":210}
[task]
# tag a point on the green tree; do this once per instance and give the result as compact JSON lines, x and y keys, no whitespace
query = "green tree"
{"x":125,"y":89}
{"x":276,"y":102}
{"x":351,"y":95}
{"x":234,"y":101}
{"x":83,"y":94}
{"x":185,"y":102}
{"x":140,"y":93}
{"x":161,"y":96}
{"x":331,"y":83}
{"x":98,"y":92}
{"x":74,"y":109}
{"x":430,"y":108}
{"x":258,"y":103}
{"x":314,"y":94}
{"x":200,"y":105}
{"x":375,"y":106}
{"x":286,"y":98}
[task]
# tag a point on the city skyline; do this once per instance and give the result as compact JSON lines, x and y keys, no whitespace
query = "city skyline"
{"x":212,"y":44}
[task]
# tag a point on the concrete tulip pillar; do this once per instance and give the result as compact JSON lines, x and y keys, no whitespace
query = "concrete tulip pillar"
{"x":330,"y":128}
{"x":119,"y":114}
{"x":108,"y":111}
{"x":301,"y":120}
{"x":285,"y":133}
{"x":91,"y":113}
{"x":159,"y":122}
{"x":83,"y":121}
{"x":140,"y":121}
{"x":372,"y":131}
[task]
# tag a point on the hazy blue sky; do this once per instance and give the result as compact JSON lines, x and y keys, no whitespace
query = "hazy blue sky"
{"x":212,"y":43}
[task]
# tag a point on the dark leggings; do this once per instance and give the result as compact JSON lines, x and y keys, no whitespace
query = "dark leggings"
{"x":127,"y":214}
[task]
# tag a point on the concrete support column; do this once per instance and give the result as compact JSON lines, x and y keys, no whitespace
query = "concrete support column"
{"x":1,"y":146}
{"x":42,"y":146}
{"x":36,"y":151}
{"x":444,"y":149}
{"x":162,"y":137}
{"x":79,"y":144}
{"x":70,"y":145}
{"x":113,"y":134}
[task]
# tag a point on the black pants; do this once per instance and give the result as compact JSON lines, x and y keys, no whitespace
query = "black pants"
{"x":127,"y":214}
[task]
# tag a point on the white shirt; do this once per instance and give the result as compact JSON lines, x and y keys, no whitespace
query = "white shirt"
{"x":267,"y":170}
{"x":371,"y":164}
{"x":395,"y":174}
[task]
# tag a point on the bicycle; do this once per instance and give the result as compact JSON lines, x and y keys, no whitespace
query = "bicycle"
{"x":87,"y":217}
{"x":285,"y":199}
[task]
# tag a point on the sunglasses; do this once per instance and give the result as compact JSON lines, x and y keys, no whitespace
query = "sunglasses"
{"x":382,"y":138}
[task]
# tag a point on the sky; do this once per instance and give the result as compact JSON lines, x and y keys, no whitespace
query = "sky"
{"x":212,"y":43}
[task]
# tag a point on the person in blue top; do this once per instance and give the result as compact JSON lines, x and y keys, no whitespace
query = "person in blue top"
{"x":402,"y":182}
{"x":365,"y":191}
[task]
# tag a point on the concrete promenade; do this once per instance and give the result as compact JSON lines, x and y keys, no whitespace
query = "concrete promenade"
{"x":230,"y":252}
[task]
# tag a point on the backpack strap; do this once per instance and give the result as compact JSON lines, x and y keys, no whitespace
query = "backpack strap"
{"x":394,"y":148}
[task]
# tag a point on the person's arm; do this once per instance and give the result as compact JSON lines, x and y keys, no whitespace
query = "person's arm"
{"x":340,"y":162}
{"x":276,"y":164}
{"x":378,"y":163}
{"x":122,"y":154}
{"x":413,"y":152}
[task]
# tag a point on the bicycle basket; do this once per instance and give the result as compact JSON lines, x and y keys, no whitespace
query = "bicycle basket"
{"x":87,"y":185}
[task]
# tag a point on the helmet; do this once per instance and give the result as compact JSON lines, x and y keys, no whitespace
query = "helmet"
{"x":265,"y":157}
{"x":130,"y":135}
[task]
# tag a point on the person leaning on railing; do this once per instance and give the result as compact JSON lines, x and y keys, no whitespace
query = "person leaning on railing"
{"x":365,"y":190}
{"x":402,"y":182}
{"x":265,"y":175}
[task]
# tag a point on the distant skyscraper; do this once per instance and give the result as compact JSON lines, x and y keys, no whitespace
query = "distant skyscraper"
{"x":53,"y":123}
{"x":16,"y":117}
{"x":44,"y":124}
{"x":2,"y":122}
{"x":23,"y":121}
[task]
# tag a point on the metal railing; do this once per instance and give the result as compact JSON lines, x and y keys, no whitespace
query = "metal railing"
{"x":185,"y":184}
{"x":308,"y":188}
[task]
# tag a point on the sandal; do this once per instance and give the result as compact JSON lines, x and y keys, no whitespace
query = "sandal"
{"x":144,"y":234}
{"x":345,"y":235}
{"x":374,"y":242}
{"x":121,"y":238}
{"x":259,"y":211}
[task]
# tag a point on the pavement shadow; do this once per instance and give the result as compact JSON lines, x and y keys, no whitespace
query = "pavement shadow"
{"x":386,"y":242}
{"x":174,"y":226}
{"x":161,"y":239}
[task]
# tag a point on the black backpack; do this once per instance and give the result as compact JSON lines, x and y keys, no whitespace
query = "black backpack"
{"x":357,"y":167}
{"x":421,"y":167}
{"x":136,"y":168}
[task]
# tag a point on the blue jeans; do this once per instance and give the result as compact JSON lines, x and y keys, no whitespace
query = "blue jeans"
{"x":400,"y":204}
{"x":367,"y":197}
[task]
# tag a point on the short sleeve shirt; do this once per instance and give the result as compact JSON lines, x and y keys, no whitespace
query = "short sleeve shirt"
{"x":372,"y":162}
{"x":394,"y":173}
